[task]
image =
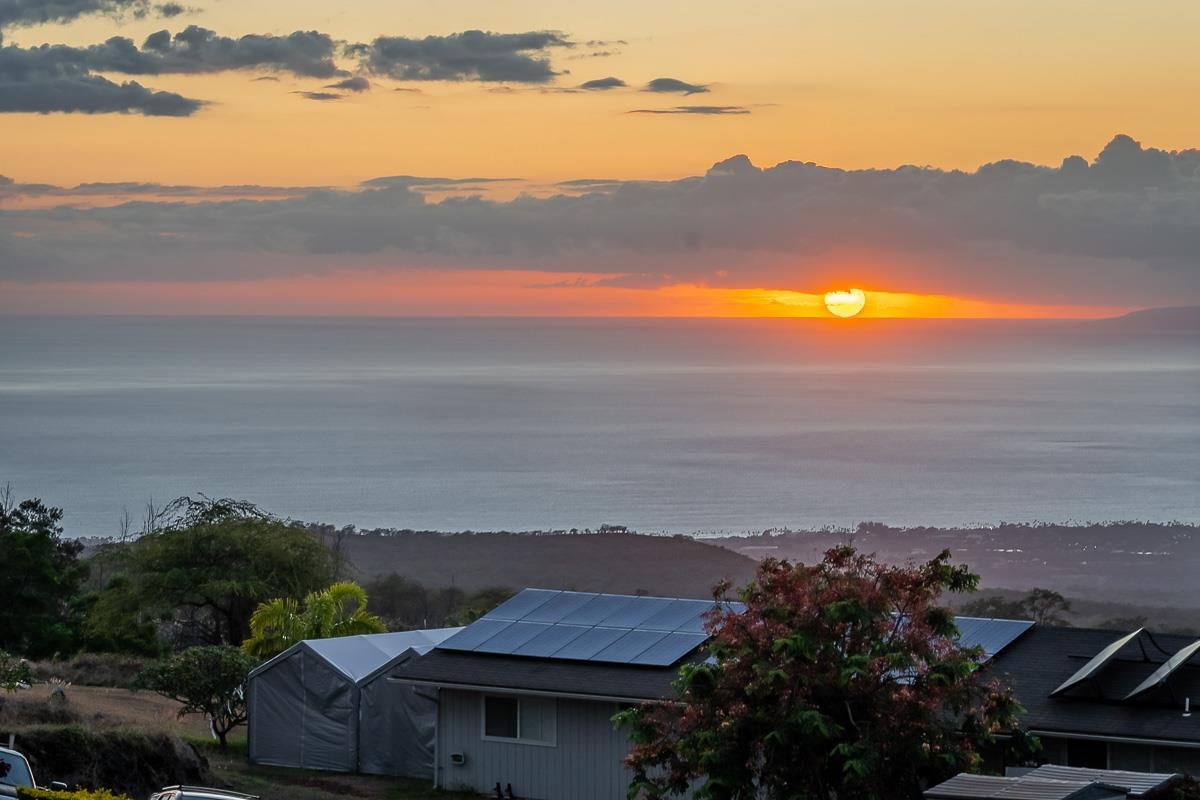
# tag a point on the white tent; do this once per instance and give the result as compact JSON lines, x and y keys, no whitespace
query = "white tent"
{"x":324,"y":704}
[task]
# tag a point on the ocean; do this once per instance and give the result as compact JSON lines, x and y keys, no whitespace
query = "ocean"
{"x":673,"y":426}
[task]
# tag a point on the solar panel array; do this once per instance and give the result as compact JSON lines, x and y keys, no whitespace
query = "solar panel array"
{"x":624,"y":629}
{"x":1166,"y":670}
{"x":584,"y":626}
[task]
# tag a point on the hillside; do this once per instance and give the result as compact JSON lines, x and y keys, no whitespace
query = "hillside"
{"x":602,"y":562}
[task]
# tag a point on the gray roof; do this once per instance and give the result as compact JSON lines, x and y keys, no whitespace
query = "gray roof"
{"x":988,"y":787}
{"x":513,"y":673}
{"x":1135,"y":784}
{"x":1039,"y":662}
{"x":356,"y":657}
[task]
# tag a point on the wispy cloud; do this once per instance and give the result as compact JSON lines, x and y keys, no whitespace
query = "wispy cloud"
{"x":468,"y":56}
{"x":674,"y":86}
{"x":716,"y":111}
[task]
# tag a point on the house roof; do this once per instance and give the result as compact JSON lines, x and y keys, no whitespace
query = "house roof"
{"x":356,"y":657}
{"x":451,"y":669}
{"x":990,"y":787}
{"x":1135,"y":784}
{"x":1036,"y":664}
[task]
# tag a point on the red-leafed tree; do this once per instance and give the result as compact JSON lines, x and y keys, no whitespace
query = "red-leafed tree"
{"x":841,"y":679}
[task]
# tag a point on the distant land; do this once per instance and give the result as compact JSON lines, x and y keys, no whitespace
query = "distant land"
{"x":1109,"y":570}
{"x":1179,"y":319}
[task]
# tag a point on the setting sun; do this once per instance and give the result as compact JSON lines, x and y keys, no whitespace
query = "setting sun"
{"x":845,"y":302}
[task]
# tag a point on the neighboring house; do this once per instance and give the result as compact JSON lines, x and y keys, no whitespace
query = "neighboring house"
{"x":1108,"y":699}
{"x":325,"y":704}
{"x":527,"y":693}
{"x":1056,"y":783}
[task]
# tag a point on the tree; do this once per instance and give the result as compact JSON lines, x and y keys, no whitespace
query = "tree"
{"x":40,"y":573}
{"x":1046,"y":607}
{"x":13,"y":671}
{"x":340,"y":610}
{"x":205,"y":565}
{"x":841,"y":679}
{"x":206,"y":680}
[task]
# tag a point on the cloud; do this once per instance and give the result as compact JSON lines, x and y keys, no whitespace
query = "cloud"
{"x":169,"y":10}
{"x":91,"y":94}
{"x":18,"y":13}
{"x":603,"y":84}
{"x":1122,"y":229}
{"x":353,"y":84}
{"x":321,"y":96}
{"x":702,"y":110}
{"x":470,"y":55}
{"x":64,"y":78}
{"x":674,"y":86}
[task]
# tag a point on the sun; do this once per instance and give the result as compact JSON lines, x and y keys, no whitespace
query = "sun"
{"x":845,"y":302}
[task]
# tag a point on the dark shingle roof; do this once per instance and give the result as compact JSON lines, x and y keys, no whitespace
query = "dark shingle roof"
{"x":1040,"y":661}
{"x":619,"y":682}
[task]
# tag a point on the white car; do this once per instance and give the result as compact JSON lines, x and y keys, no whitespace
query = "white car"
{"x":15,"y":772}
{"x":199,"y":793}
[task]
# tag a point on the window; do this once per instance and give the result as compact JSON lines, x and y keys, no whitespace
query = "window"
{"x":529,"y":720}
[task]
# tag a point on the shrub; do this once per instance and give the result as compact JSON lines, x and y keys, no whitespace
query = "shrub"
{"x":78,"y":794}
{"x":92,"y":669}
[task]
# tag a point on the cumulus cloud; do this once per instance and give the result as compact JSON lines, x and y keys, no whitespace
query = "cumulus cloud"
{"x":15,"y":13}
{"x":170,"y":10}
{"x":1123,"y":225}
{"x":63,"y":78}
{"x":674,"y":86}
{"x":702,"y":110}
{"x":603,"y":84}
{"x":470,"y":55}
{"x":356,"y":83}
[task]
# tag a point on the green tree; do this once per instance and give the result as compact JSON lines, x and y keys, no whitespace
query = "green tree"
{"x":202,"y":569}
{"x":40,"y":573}
{"x":1046,"y":607}
{"x":13,"y":671}
{"x":340,"y":610}
{"x":840,"y":679}
{"x":206,"y":680}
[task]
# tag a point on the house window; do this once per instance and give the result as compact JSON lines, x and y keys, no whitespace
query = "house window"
{"x":529,"y":720}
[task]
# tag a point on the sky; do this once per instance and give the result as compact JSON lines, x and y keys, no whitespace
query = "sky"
{"x":1002,"y":159}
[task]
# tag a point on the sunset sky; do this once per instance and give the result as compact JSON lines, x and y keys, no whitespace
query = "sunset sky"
{"x":1009,"y":158}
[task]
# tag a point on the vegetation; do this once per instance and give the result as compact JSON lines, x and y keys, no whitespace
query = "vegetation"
{"x":200,"y":571}
{"x":340,"y":610}
{"x":205,"y":680}
{"x":1043,"y":606}
{"x":41,"y":574}
{"x":13,"y":671}
{"x":407,"y":604}
{"x":76,"y":794}
{"x":841,"y":679}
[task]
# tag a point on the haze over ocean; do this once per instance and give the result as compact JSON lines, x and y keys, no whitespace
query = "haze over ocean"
{"x":679,"y":426}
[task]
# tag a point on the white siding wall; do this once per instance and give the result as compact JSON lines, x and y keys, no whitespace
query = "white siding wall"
{"x":583,"y":764}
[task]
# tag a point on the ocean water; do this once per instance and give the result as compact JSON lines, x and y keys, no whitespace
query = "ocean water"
{"x":663,"y":425}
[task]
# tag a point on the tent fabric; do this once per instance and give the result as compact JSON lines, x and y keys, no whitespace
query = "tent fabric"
{"x":306,"y":706}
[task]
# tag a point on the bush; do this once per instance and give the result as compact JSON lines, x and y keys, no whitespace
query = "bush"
{"x":92,"y":669}
{"x":127,"y":762}
{"x":79,"y":794}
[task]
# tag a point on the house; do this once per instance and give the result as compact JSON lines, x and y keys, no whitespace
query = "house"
{"x":326,"y":704}
{"x":1108,"y":699}
{"x":1056,"y":783}
{"x":526,"y":694}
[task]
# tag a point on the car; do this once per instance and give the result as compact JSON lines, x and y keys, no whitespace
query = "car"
{"x":199,"y":793}
{"x":15,"y":772}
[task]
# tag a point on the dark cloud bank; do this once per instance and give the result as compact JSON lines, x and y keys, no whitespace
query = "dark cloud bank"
{"x":1125,"y":225}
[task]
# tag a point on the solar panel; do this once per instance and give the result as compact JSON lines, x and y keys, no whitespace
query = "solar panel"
{"x":475,"y":634}
{"x":629,"y":646}
{"x":557,"y":608}
{"x":522,"y":603}
{"x":550,"y":641}
{"x":512,"y":637}
{"x":993,"y":635}
{"x":669,"y":649}
{"x":632,"y":615}
{"x":583,"y":647}
{"x":1160,"y":675}
{"x":677,"y":613}
{"x":1096,"y":663}
{"x":597,"y":608}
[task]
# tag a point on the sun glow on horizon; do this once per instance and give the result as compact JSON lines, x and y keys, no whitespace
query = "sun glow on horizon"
{"x":845,"y":303}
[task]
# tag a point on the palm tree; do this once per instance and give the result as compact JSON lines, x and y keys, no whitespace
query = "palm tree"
{"x":339,"y":610}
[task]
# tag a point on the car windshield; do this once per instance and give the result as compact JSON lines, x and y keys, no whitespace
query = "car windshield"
{"x":14,"y":771}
